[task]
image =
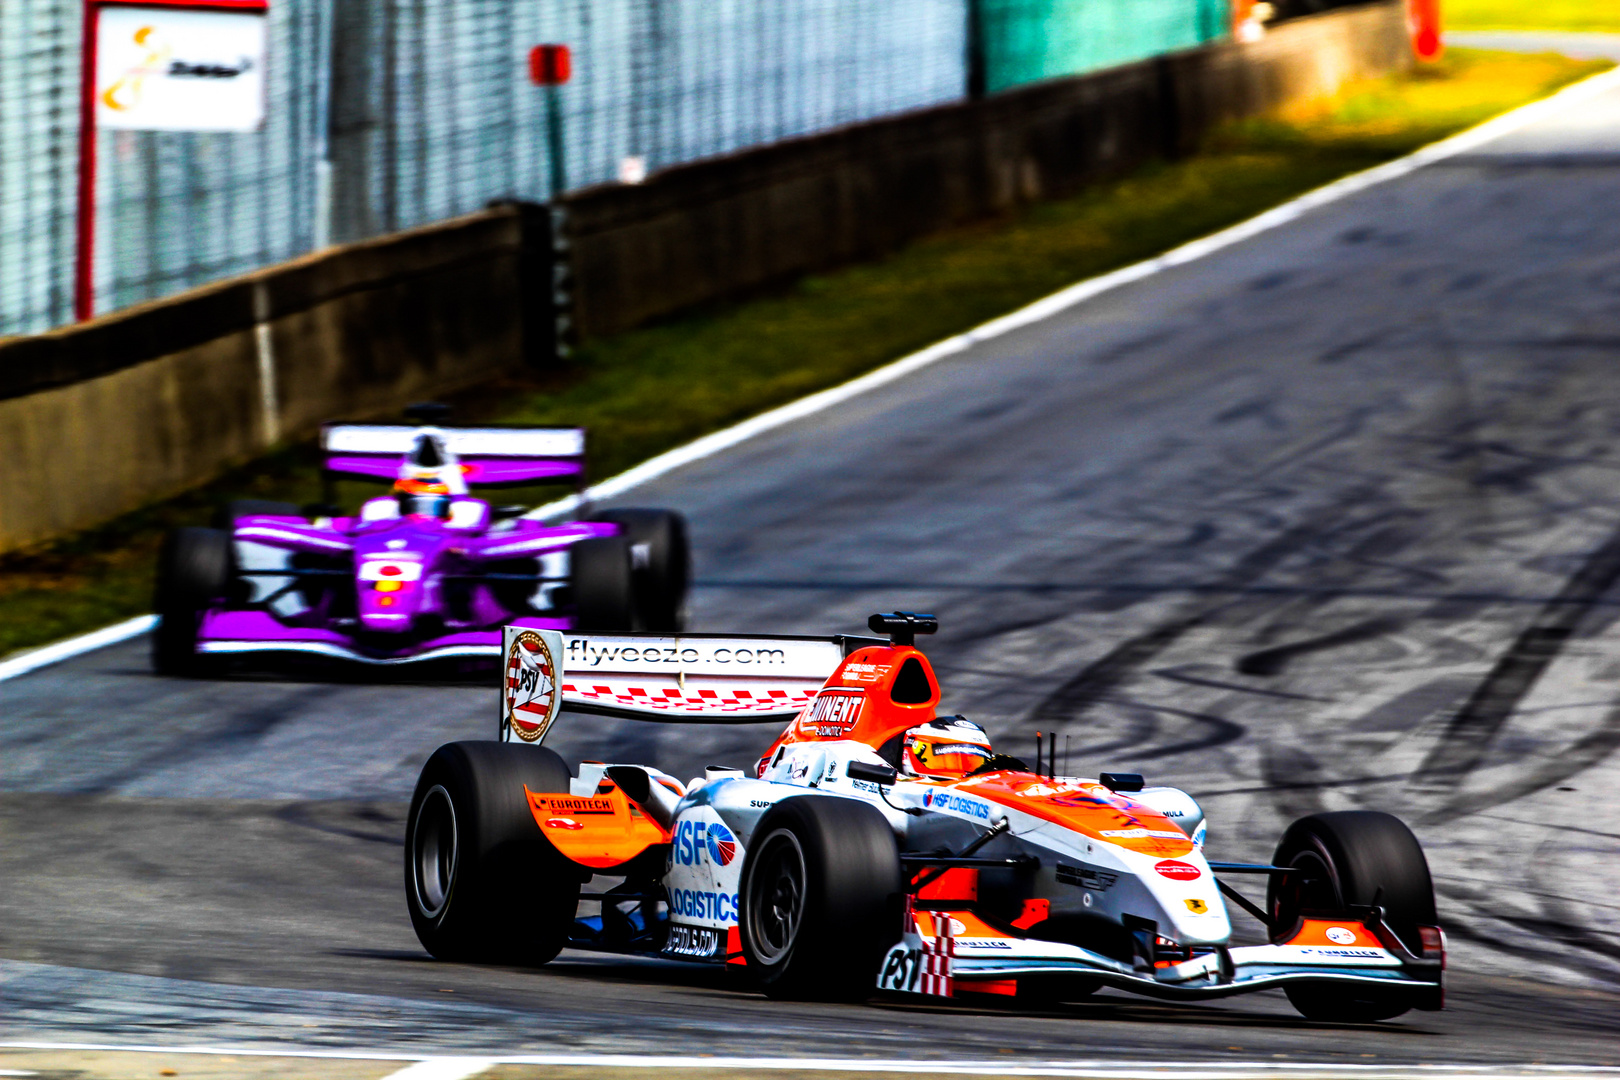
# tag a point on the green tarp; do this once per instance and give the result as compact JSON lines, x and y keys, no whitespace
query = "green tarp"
{"x":1028,"y":40}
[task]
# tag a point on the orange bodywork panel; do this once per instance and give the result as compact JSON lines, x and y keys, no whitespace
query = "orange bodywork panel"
{"x":1315,"y":932}
{"x":598,"y":831}
{"x":857,"y":701}
{"x":1089,"y":809}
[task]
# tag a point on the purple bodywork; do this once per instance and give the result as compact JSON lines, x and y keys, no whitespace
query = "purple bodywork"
{"x":387,"y":586}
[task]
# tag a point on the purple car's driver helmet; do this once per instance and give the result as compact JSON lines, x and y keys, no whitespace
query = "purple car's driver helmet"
{"x":422,"y":488}
{"x":424,"y":498}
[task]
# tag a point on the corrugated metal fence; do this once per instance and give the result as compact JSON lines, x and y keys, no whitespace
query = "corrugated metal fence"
{"x":386,"y":114}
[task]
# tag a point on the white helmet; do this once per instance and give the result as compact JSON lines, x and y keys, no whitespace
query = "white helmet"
{"x":950,"y":746}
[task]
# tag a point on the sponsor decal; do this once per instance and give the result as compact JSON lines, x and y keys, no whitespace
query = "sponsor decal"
{"x":833,"y":715}
{"x":1178,"y":871}
{"x":1086,"y":878}
{"x":700,"y":904}
{"x":1037,"y":790}
{"x":1143,"y":834}
{"x":1355,"y":954}
{"x":900,"y":969}
{"x":982,"y":943}
{"x":582,"y":653}
{"x":722,"y":845}
{"x":572,"y":805}
{"x":563,"y":823}
{"x":1340,"y":935}
{"x":695,"y":942}
{"x":1196,"y":906}
{"x":949,"y":800}
{"x":531,"y":686}
{"x":1081,"y":800}
{"x":865,"y":673}
{"x":698,"y":843}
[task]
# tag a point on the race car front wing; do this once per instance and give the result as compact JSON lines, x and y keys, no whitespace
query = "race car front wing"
{"x":944,"y":953}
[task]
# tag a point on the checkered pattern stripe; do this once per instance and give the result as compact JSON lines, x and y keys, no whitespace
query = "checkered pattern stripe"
{"x":693,"y":701}
{"x":936,"y":959}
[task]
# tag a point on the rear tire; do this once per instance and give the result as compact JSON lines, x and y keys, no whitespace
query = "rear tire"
{"x":662,"y":565}
{"x":603,"y":592}
{"x":1344,"y":859}
{"x":820,"y":899}
{"x":193,"y":574}
{"x":481,"y":881}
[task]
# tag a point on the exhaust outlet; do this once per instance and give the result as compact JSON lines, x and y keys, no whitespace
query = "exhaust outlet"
{"x":654,"y":799}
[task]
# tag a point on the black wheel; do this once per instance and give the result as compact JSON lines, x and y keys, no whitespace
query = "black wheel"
{"x":1343,"y":859}
{"x":481,"y":882}
{"x":661,"y":559}
{"x":225,"y":517}
{"x":821,"y":898}
{"x":599,"y":572}
{"x":193,"y":574}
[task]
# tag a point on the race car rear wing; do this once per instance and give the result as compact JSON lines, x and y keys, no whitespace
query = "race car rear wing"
{"x":489,"y":456}
{"x":680,"y":678}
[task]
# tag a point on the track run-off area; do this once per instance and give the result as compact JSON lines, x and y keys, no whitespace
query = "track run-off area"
{"x":1325,"y":519}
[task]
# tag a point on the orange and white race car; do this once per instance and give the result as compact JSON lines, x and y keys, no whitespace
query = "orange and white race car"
{"x":879,"y":846}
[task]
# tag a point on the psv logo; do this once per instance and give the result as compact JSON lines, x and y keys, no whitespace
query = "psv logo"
{"x":531,"y":686}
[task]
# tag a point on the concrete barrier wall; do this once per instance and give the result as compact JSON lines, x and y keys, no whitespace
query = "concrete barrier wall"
{"x":102,"y":418}
{"x":728,"y":227}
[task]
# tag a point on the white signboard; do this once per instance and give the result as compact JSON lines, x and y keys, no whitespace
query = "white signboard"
{"x":163,"y":69}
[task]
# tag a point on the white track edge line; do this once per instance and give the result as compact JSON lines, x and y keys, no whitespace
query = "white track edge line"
{"x":444,"y":1068}
{"x":1223,"y":1070}
{"x":66,"y":650}
{"x":711,"y":444}
{"x":1082,"y":291}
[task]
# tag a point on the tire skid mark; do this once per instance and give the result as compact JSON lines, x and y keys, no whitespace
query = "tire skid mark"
{"x":1585,"y":752}
{"x":1266,"y":662}
{"x":1474,"y":726}
{"x":247,"y":725}
{"x":1071,"y":700}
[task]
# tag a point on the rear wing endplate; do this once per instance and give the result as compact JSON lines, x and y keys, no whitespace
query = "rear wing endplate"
{"x":690,"y":678}
{"x":489,"y":456}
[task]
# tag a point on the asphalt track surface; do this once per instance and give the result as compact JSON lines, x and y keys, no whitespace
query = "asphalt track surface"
{"x":1326,"y":520}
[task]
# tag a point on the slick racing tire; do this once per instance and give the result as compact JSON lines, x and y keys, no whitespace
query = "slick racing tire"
{"x":661,"y":562}
{"x":481,"y":882}
{"x":1344,"y":859}
{"x":820,"y":899}
{"x":600,"y":579}
{"x":225,"y":517}
{"x":193,"y":574}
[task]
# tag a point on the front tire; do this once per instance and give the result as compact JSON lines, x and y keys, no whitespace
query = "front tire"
{"x":193,"y":574}
{"x":821,"y":899}
{"x":481,"y":881}
{"x":1352,"y":858}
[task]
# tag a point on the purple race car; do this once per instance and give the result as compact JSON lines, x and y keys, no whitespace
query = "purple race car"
{"x":424,"y":573}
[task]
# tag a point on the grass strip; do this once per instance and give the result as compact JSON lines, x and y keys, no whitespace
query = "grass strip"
{"x":1601,"y":16}
{"x":648,"y":390}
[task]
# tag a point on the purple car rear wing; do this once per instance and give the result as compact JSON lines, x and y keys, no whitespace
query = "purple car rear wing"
{"x":489,"y":456}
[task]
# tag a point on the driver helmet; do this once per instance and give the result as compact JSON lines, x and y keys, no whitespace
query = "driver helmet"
{"x":950,"y":746}
{"x":427,"y":498}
